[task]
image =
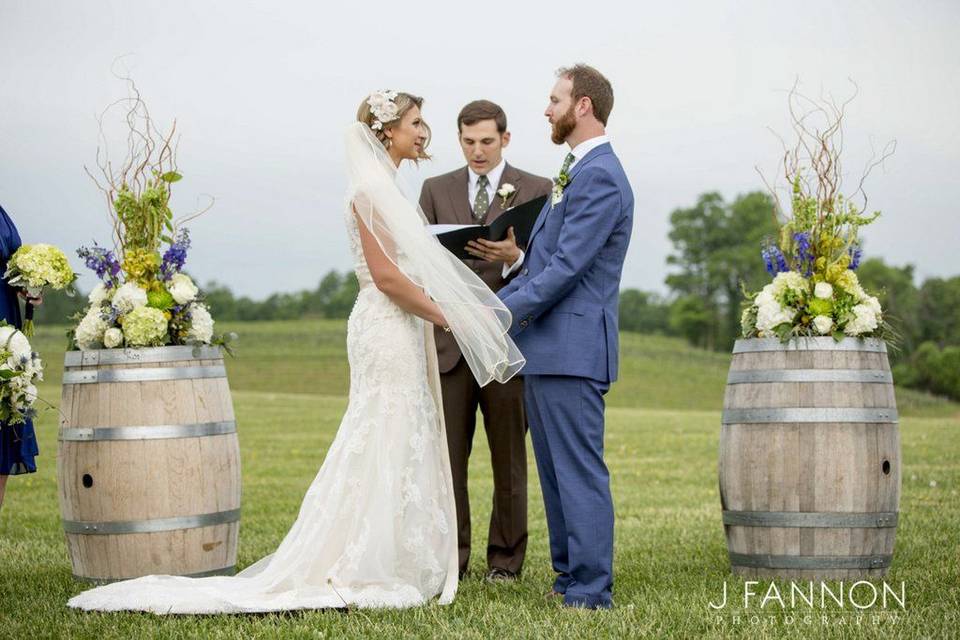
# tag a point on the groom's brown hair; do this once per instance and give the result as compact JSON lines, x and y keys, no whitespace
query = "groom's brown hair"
{"x":590,"y":83}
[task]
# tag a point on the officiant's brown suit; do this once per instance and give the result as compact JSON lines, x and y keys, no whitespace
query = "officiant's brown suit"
{"x":445,"y":200}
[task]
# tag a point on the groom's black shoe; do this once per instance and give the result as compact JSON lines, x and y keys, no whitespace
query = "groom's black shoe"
{"x":500,"y":575}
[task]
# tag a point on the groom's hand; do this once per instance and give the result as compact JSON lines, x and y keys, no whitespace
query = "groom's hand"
{"x":505,"y":251}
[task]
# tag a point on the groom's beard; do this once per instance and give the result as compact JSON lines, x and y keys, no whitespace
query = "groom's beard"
{"x":563,"y":127}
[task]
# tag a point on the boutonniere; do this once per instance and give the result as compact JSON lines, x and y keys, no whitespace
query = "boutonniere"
{"x":559,"y":183}
{"x":506,"y":192}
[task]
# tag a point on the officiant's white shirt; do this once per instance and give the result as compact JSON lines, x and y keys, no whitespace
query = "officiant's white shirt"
{"x":493,"y":177}
{"x":578,"y":152}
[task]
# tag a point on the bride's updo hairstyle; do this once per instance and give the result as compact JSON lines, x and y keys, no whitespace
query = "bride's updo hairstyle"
{"x":383,"y":110}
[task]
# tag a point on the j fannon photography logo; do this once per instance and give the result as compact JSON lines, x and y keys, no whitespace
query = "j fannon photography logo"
{"x":854,"y":604}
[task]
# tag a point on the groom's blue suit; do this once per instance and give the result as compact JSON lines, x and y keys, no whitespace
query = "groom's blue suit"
{"x":564,"y":305}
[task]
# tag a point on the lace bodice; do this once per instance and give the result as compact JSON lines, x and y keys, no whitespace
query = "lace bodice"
{"x":356,"y":249}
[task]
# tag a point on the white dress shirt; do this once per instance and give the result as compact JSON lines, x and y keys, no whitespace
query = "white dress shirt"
{"x":473,"y":182}
{"x":578,"y":152}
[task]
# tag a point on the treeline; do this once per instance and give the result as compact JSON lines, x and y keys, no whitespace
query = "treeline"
{"x":715,"y":255}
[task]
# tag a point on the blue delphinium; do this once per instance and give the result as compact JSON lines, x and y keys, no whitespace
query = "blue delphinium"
{"x":773,"y":259}
{"x":103,"y":263}
{"x":175,"y":256}
{"x":855,"y":254}
{"x":803,"y":256}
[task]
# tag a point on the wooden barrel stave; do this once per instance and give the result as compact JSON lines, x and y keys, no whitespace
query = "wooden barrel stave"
{"x":793,"y":466}
{"x":148,"y":480}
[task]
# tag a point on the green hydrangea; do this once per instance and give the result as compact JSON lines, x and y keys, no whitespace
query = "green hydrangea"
{"x":160,"y":299}
{"x":145,"y":327}
{"x":819,"y":307}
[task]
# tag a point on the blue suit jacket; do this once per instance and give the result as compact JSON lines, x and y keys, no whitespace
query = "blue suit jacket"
{"x":565,"y":300}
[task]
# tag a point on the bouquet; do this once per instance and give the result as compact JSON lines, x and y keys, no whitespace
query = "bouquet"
{"x":813,"y":261}
{"x":143,"y":298}
{"x":20,"y":370}
{"x":34,"y":267}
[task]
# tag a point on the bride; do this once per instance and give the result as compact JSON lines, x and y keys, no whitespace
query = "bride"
{"x":377,"y":525}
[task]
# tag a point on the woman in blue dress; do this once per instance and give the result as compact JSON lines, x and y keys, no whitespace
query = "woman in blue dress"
{"x":18,"y":443}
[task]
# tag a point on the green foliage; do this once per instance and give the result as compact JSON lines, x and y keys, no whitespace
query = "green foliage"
{"x":144,"y":216}
{"x":715,"y":255}
{"x":644,"y":312}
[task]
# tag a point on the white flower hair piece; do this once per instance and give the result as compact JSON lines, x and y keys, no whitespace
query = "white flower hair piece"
{"x":383,"y":108}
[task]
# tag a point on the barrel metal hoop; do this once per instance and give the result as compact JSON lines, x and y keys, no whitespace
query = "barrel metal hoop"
{"x":151,"y":432}
{"x":152,"y":354}
{"x":818,"y":519}
{"x":747,"y":376}
{"x":152,"y":526}
{"x":808,"y":414}
{"x":753,"y":345}
{"x":768,"y":561}
{"x":91,"y":376}
{"x":222,"y":571}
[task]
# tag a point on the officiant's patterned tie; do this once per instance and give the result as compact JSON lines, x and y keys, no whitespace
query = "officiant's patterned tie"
{"x":482,"y":201}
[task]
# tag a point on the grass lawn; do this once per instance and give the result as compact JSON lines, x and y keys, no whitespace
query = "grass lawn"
{"x":289,"y":385}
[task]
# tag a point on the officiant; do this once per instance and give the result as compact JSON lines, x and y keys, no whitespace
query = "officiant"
{"x":477,"y":194}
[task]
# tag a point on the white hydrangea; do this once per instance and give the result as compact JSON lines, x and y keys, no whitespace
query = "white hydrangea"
{"x":789,"y":280}
{"x":770,"y":313}
{"x":824,"y":291}
{"x":112,"y":338}
{"x":201,"y":324}
{"x":128,"y":297}
{"x":100,"y":294}
{"x":89,"y":333}
{"x":182,"y":289}
{"x":866,"y":318}
{"x":823,"y":324}
{"x":17,"y":344}
{"x":770,"y":316}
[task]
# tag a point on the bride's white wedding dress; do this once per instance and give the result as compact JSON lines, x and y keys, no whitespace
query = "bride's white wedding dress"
{"x":377,"y":525}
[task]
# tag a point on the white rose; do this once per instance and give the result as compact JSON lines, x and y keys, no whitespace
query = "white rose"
{"x":874,"y":304}
{"x":182,"y":289}
{"x":99,"y":294}
{"x":506,"y":189}
{"x":16,"y":343}
{"x":112,"y":338}
{"x":89,"y":333}
{"x":823,"y":290}
{"x":201,"y":324}
{"x":128,"y":297}
{"x":823,"y":324}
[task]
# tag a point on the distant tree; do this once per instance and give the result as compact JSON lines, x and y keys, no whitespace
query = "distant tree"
{"x":899,"y":297}
{"x":939,"y":311}
{"x":643,"y":312}
{"x":716,"y":249}
{"x":691,"y":318}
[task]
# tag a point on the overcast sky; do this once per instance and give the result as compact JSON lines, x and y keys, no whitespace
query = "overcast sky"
{"x":262,"y":93}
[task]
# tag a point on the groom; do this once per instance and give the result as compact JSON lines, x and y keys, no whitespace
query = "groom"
{"x":564,"y":305}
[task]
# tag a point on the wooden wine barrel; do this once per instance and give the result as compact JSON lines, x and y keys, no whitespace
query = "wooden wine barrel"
{"x":148,"y":463}
{"x":810,"y":459}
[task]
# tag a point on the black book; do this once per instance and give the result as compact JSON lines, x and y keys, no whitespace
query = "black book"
{"x":521,"y":217}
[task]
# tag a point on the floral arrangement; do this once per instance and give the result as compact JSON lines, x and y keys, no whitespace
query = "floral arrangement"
{"x":20,"y":370}
{"x":34,"y":267}
{"x":143,"y":298}
{"x":815,"y":290}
